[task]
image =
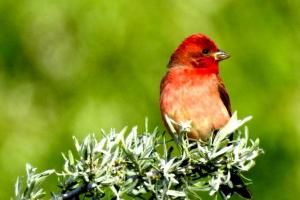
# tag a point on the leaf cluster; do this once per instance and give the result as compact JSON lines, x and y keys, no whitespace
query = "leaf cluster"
{"x":123,"y":165}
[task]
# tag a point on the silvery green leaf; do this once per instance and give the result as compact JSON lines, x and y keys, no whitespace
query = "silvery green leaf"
{"x":173,"y":180}
{"x":76,"y":143}
{"x":41,"y":176}
{"x":29,"y":170}
{"x":109,"y":181}
{"x":100,"y":145}
{"x":176,"y":193}
{"x":166,"y":166}
{"x":18,"y":187}
{"x":38,"y":194}
{"x":170,"y":123}
{"x":222,"y":151}
{"x":229,"y":128}
{"x":114,"y":190}
{"x":71,"y":158}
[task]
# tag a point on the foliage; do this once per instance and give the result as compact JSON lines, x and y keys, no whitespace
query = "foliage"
{"x":32,"y":190}
{"x":121,"y":165}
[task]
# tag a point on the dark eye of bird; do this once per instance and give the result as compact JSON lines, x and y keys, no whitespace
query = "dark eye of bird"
{"x":205,"y":51}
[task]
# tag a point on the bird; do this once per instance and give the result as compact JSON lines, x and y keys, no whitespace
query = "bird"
{"x":193,"y":91}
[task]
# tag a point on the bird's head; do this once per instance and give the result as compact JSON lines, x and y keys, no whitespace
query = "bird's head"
{"x":198,"y":51}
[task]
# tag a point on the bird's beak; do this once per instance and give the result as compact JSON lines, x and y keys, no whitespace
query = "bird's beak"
{"x":220,"y":55}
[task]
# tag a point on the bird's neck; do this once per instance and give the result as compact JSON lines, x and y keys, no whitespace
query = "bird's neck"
{"x":194,"y":70}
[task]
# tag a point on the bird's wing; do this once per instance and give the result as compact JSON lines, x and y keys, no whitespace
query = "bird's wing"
{"x":224,"y":96}
{"x":163,"y":83}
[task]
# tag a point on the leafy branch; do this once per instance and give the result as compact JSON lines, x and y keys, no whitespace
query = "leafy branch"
{"x":32,"y":191}
{"x":121,"y":165}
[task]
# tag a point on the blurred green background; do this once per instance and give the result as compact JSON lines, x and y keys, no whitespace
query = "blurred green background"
{"x":73,"y":67}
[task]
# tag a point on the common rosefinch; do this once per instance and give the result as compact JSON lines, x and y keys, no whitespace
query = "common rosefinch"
{"x":192,"y":90}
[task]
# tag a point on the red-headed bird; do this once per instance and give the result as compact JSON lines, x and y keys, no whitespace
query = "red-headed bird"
{"x":192,"y":90}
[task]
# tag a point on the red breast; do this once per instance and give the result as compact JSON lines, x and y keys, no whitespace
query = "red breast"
{"x":189,"y":95}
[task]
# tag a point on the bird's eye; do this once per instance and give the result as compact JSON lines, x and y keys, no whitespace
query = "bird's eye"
{"x":205,"y":51}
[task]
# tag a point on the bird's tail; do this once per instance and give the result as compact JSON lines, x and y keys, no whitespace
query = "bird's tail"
{"x":239,"y":187}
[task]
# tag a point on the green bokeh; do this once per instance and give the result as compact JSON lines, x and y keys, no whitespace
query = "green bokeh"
{"x":74,"y":67}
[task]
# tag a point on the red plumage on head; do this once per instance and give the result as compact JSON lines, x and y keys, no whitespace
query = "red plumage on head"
{"x":190,"y":53}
